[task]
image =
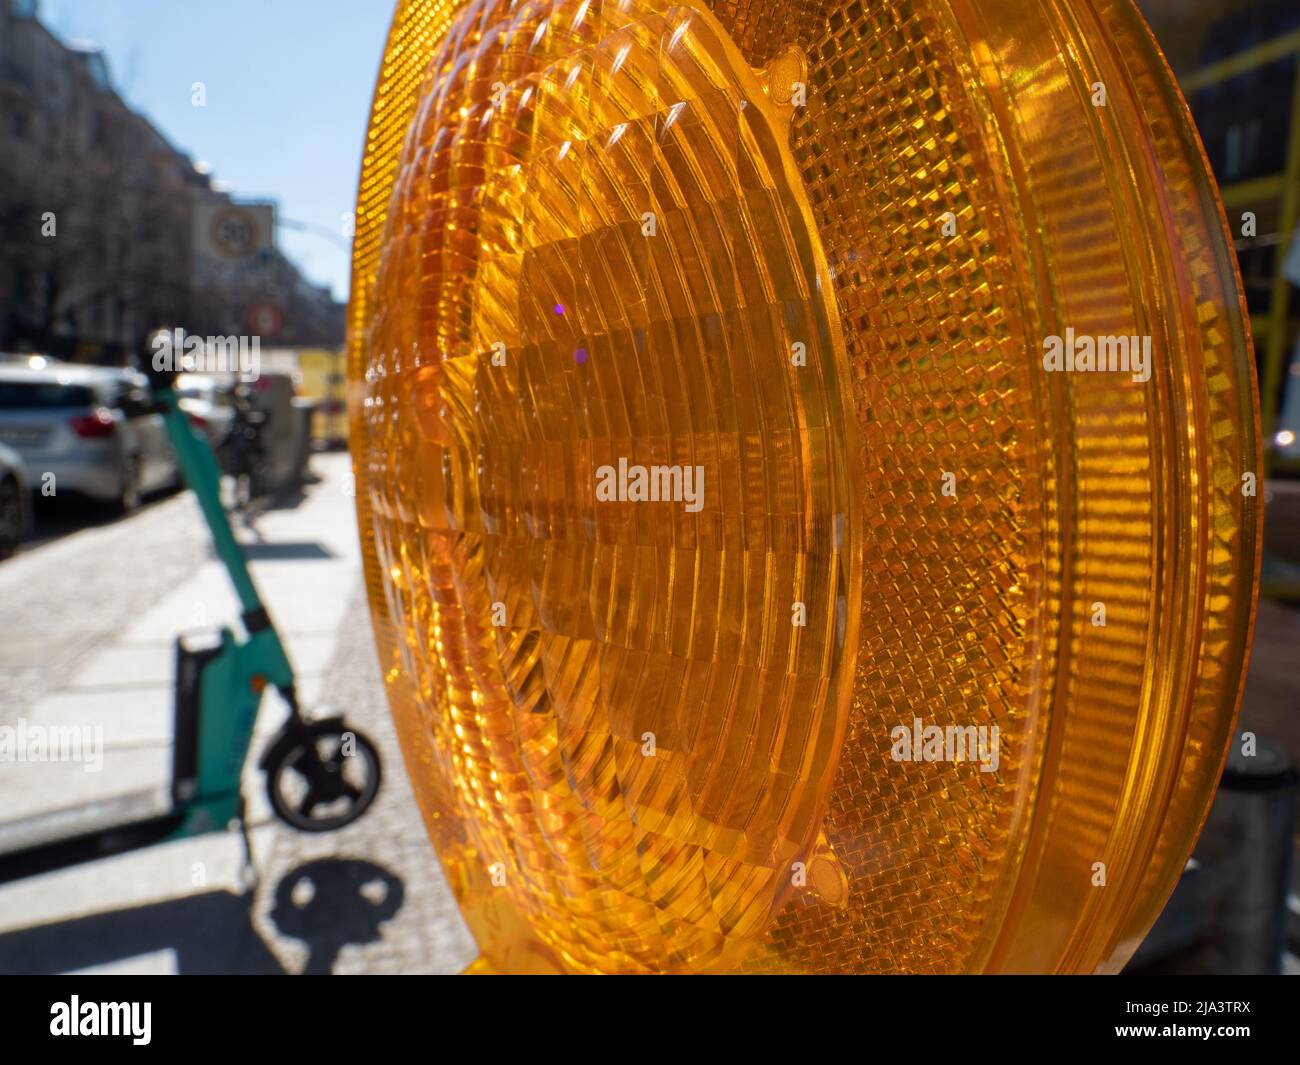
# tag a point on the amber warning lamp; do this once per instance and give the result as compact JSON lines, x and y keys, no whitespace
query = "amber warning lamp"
{"x":806,"y":461}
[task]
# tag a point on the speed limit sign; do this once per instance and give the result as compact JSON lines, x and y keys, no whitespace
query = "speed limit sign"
{"x":236,"y":232}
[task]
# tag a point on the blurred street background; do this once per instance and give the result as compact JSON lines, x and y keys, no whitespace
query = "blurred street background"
{"x":175,"y":165}
{"x":97,"y":643}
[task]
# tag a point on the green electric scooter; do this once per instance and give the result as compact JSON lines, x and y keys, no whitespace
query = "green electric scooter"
{"x":320,"y":774}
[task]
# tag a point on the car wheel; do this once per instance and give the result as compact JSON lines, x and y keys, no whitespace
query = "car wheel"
{"x":129,"y":498}
{"x":11,"y":517}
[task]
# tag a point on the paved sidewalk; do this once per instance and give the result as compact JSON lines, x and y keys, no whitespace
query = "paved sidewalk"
{"x":367,"y":899}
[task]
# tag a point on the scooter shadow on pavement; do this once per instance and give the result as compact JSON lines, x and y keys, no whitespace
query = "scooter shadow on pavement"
{"x":327,"y":904}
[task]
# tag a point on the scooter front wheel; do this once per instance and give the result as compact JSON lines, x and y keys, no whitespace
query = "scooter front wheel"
{"x":325,"y":780}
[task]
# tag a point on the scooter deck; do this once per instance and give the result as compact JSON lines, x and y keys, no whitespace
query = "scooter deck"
{"x":75,"y":834}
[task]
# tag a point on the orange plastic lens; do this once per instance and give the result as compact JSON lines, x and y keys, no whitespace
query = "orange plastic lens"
{"x":805,"y":459}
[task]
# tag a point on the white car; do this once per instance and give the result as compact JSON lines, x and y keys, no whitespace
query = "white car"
{"x":15,"y":502}
{"x":90,"y":428}
{"x":206,"y":400}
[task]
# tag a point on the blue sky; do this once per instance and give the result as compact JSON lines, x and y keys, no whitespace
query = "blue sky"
{"x":288,"y":94}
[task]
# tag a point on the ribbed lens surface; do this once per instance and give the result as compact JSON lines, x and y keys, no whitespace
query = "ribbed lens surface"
{"x":801,"y":260}
{"x":597,"y":257}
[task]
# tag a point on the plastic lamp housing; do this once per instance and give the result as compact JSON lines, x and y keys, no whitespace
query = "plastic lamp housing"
{"x":805,"y":465}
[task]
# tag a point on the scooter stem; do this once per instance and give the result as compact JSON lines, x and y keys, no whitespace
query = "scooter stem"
{"x":199,"y":468}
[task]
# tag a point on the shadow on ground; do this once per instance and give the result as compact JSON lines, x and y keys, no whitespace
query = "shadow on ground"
{"x":326,"y":904}
{"x":55,"y":518}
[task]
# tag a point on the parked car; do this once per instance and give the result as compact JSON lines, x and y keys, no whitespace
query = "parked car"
{"x":132,"y":395}
{"x":15,"y":501}
{"x":206,"y":399}
{"x":90,"y":427}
